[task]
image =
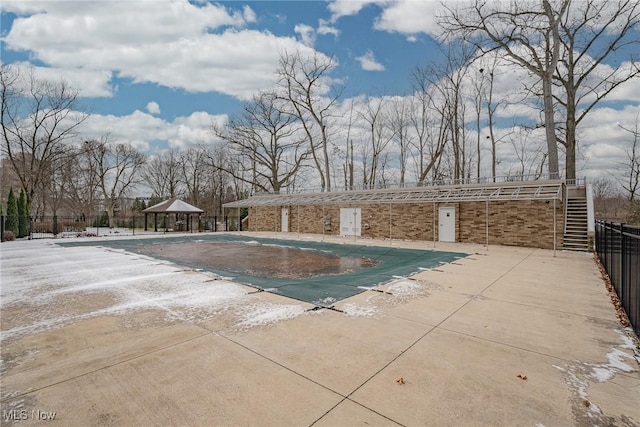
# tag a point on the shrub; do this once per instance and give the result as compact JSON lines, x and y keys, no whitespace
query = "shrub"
{"x":23,"y":216}
{"x":9,"y":236}
{"x":12,"y":214}
{"x":42,"y":227}
{"x":634,"y":213}
{"x":103,"y":221}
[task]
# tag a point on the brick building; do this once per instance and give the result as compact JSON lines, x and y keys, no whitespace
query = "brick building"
{"x":529,"y":214}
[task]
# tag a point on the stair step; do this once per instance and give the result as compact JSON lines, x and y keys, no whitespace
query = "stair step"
{"x":575,"y":242}
{"x":569,"y":242}
{"x":576,"y":236}
{"x":575,"y":233}
{"x":581,"y":249}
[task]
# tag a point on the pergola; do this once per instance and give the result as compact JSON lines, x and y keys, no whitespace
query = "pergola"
{"x":537,"y":190}
{"x":171,"y":206}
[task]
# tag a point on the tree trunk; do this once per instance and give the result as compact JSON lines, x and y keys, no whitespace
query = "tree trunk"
{"x":549,"y":126}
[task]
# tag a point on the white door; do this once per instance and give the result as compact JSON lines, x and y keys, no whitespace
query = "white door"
{"x":447,"y":222}
{"x":350,"y":221}
{"x":285,"y":220}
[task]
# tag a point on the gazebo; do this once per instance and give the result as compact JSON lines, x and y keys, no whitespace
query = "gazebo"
{"x":171,"y":206}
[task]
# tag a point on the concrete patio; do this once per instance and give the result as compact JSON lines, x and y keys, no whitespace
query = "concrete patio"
{"x":506,"y":336}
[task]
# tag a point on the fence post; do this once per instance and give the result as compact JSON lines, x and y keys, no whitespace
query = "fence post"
{"x":607,"y":246}
{"x":215,"y":223}
{"x":2,"y":228}
{"x":133,"y":224}
{"x":55,"y":225}
{"x":624,"y":289}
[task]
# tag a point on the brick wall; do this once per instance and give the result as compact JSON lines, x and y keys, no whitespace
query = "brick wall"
{"x":512,"y":223}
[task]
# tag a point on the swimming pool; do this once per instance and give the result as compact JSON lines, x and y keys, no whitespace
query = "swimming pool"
{"x":317,"y":272}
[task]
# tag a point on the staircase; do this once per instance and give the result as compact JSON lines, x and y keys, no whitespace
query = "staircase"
{"x":575,"y":231}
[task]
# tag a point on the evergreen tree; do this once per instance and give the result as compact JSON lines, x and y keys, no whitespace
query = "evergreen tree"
{"x":23,"y":215}
{"x":12,"y":214}
{"x":139,"y":205}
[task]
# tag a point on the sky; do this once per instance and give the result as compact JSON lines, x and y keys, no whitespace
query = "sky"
{"x":158,"y":73}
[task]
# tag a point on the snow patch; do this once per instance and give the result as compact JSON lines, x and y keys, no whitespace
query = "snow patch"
{"x":96,"y":282}
{"x":578,"y":375}
{"x":405,"y":288}
{"x":354,"y":310}
{"x":325,"y":302}
{"x":266,"y":313}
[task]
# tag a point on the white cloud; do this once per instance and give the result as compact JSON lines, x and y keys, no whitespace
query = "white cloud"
{"x":141,"y":130}
{"x":368,"y":62}
{"x":177,"y":44}
{"x":307,"y":34}
{"x":325,"y":28}
{"x":93,"y":82}
{"x":340,"y":8}
{"x":398,"y":16}
{"x":248,"y":14}
{"x":409,"y":17}
{"x":153,"y":108}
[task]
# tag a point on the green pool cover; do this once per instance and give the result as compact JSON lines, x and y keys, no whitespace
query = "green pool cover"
{"x":323,"y":290}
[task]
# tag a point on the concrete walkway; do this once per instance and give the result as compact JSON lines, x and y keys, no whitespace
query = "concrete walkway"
{"x":506,"y":336}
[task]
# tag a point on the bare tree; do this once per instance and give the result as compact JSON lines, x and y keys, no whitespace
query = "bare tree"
{"x":563,"y":43}
{"x":84,"y":182}
{"x":38,"y":117}
{"x":528,"y":33}
{"x":217,"y":177}
{"x":378,"y":136}
{"x":193,"y":167}
{"x":492,"y":106}
{"x":116,"y":167}
{"x":304,"y":83}
{"x":440,"y":93}
{"x":267,"y":137}
{"x":479,"y":95}
{"x":60,"y":173}
{"x":530,"y":157}
{"x":603,"y":188}
{"x":429,"y":140}
{"x":591,"y":31}
{"x":630,"y":180}
{"x":398,"y":122}
{"x":608,"y":202}
{"x":347,"y":154}
{"x":163,"y":174}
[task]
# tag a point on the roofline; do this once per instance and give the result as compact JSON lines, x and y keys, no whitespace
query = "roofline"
{"x":520,"y":190}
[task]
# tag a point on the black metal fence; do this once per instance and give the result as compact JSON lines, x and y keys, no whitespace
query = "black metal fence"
{"x":47,"y":227}
{"x":618,"y":247}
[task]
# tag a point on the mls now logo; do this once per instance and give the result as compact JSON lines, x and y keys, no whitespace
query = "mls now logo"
{"x":15,"y":415}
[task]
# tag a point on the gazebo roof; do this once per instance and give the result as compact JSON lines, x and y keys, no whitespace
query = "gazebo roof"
{"x":173,"y":205}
